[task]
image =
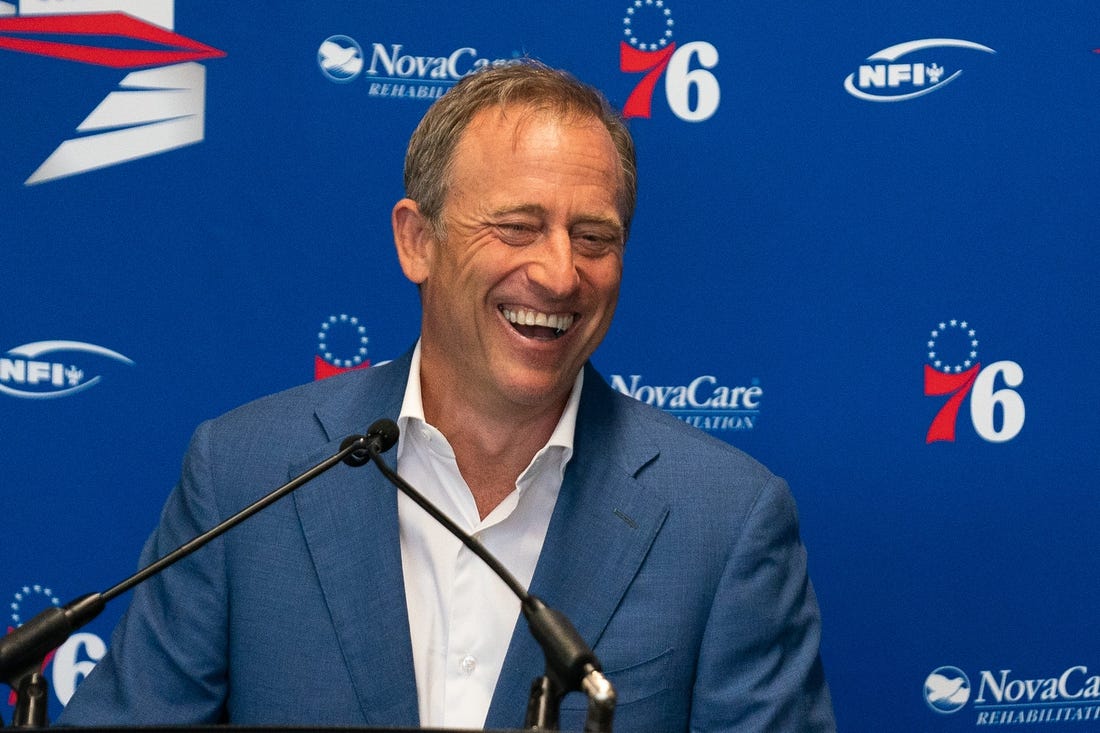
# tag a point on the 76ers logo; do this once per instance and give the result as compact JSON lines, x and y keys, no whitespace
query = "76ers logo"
{"x":692,"y":94}
{"x":954,"y":370}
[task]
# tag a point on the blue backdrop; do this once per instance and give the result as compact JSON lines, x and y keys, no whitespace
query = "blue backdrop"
{"x":864,"y":252}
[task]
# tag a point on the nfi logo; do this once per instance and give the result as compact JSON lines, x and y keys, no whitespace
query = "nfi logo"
{"x":906,"y":71}
{"x":36,"y":371}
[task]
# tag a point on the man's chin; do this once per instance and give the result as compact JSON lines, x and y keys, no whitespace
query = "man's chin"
{"x":539,"y":390}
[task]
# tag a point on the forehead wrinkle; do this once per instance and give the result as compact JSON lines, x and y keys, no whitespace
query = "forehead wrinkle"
{"x":472,"y":149}
{"x":522,"y":115}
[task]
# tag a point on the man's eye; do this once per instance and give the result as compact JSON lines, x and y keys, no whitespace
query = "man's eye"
{"x":594,"y":244}
{"x":517,"y":234}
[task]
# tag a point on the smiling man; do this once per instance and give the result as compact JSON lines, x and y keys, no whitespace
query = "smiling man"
{"x":519,"y":275}
{"x":676,"y":556}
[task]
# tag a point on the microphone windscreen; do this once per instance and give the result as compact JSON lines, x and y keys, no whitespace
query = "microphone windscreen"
{"x":384,"y":433}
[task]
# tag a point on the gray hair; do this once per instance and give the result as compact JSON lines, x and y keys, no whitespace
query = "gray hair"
{"x":525,"y":83}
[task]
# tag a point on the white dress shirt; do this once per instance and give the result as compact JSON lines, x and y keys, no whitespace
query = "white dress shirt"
{"x":461,"y":615}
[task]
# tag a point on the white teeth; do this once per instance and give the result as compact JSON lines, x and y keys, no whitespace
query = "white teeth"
{"x":563,"y":322}
{"x":523,"y":317}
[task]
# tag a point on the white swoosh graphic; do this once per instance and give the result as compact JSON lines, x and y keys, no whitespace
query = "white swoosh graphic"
{"x":36,"y":349}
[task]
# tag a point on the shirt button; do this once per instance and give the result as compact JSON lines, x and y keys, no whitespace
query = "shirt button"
{"x":468,"y":664}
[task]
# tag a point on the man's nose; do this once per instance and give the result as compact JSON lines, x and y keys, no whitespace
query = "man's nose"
{"x":553,"y":265}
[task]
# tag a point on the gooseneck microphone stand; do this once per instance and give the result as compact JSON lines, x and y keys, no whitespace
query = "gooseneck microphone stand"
{"x":24,"y":649}
{"x":570,"y":664}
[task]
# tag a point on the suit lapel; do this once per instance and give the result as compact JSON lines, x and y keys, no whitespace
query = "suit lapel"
{"x":349,"y":520}
{"x":599,"y":534}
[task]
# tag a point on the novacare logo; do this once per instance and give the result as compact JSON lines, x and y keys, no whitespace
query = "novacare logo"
{"x":395,"y":73}
{"x":702,"y":402}
{"x":394,"y":62}
{"x":398,"y":74}
{"x":1004,"y":698}
{"x":1073,"y":684}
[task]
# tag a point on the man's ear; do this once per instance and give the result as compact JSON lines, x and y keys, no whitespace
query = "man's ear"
{"x":412,"y":234}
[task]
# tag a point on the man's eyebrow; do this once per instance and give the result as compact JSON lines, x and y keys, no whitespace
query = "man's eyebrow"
{"x":519,"y":209}
{"x":606,"y":221}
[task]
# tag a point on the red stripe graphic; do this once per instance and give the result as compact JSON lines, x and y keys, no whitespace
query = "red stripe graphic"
{"x":323,"y":370}
{"x":179,"y":48}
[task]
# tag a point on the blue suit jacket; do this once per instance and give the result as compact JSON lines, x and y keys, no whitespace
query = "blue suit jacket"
{"x":676,"y":556}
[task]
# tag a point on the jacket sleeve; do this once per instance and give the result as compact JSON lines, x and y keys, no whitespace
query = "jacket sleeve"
{"x":759,"y":667}
{"x":166,"y":662}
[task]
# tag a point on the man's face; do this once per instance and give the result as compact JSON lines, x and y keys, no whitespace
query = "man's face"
{"x":523,"y":288}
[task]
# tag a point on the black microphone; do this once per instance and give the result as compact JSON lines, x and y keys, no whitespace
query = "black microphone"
{"x":571,"y":666}
{"x":22,"y":651}
{"x":381,"y":435}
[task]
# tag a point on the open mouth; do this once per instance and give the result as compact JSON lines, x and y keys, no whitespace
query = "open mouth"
{"x":536,"y":324}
